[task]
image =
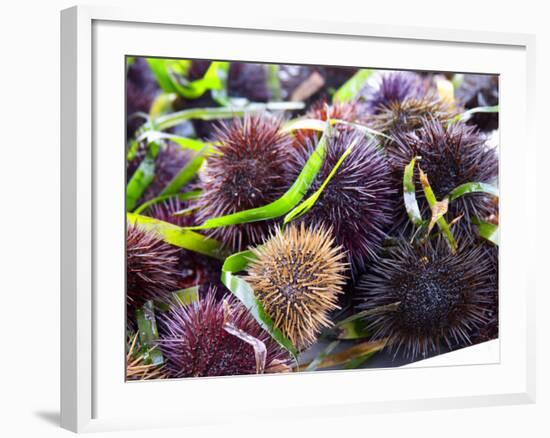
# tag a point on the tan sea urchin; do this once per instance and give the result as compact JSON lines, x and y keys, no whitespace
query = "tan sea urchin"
{"x":297,"y":275}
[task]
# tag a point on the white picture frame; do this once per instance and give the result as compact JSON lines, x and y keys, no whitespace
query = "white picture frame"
{"x":93,"y":398}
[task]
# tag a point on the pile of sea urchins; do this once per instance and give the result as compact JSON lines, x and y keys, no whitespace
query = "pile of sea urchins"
{"x":355,"y":250}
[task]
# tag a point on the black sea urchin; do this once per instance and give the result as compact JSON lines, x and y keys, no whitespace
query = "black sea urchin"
{"x":438,"y":298}
{"x":250,"y":171}
{"x":151,"y":267}
{"x":359,"y":201}
{"x":217,"y":338}
{"x":297,"y":275}
{"x":450,"y":156}
{"x":394,"y":87}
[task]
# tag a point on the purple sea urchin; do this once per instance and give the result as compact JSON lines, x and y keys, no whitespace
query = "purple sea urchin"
{"x":359,"y":201}
{"x":151,"y":267}
{"x":297,"y":275}
{"x":172,"y":210}
{"x":438,"y":298}
{"x":217,"y":338}
{"x":451,"y":155}
{"x":394,"y":87}
{"x":250,"y":171}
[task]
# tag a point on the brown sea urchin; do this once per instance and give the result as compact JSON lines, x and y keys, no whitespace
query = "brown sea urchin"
{"x":217,"y":338}
{"x":438,"y":298}
{"x":250,"y":171}
{"x":151,"y":267}
{"x":297,"y":275}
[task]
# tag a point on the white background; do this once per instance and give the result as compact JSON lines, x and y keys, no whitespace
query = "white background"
{"x":29,"y":218}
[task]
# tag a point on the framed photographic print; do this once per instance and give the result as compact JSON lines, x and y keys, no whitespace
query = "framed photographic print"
{"x":270,"y":207}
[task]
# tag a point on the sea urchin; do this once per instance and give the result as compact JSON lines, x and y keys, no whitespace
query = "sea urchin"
{"x":151,"y":267}
{"x":359,"y":200}
{"x":250,"y":171}
{"x":450,"y":156}
{"x":428,"y":296}
{"x":217,"y":338}
{"x":297,"y":275}
{"x":394,"y":87}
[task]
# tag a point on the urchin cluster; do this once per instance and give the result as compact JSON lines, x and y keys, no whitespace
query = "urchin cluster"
{"x":151,"y":267}
{"x":451,"y":155}
{"x":200,"y":340}
{"x":251,"y":170}
{"x":359,"y":201}
{"x":428,"y":297}
{"x":394,"y":87}
{"x":297,"y":275}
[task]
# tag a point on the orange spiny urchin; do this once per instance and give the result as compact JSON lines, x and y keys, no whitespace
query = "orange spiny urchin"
{"x":297,"y":275}
{"x":251,"y":171}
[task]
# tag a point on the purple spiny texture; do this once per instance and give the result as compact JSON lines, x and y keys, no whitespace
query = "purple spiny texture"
{"x":196,"y":343}
{"x":394,"y":87}
{"x":450,"y":156}
{"x":442,"y":298}
{"x":151,"y":268}
{"x":171,"y":211}
{"x":358,"y":202}
{"x":251,"y":171}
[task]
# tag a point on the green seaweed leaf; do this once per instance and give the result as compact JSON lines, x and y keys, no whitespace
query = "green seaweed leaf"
{"x":179,"y":236}
{"x":148,"y":334}
{"x":142,"y":177}
{"x":193,"y":194}
{"x":489,"y":232}
{"x":473,"y":187}
{"x":273,"y":82}
{"x":409,"y":194}
{"x":433,"y":203}
{"x":185,"y":175}
{"x":351,"y":88}
{"x":228,"y":112}
{"x":244,"y":292}
{"x":187,"y":296}
{"x":185,"y":143}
